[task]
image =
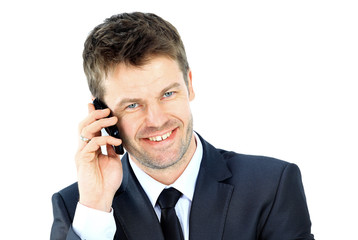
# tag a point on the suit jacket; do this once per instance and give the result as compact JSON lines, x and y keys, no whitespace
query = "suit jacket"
{"x":236,"y":197}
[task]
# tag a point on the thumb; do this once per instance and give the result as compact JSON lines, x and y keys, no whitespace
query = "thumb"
{"x":111,"y":152}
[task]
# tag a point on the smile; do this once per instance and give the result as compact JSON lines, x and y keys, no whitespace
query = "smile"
{"x":160,"y":138}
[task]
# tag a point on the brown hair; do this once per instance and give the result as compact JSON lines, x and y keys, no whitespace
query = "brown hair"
{"x":129,"y":38}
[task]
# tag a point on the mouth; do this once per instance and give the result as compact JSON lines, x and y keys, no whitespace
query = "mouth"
{"x":160,"y":138}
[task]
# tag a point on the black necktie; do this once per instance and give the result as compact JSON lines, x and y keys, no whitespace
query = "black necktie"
{"x":169,"y":220}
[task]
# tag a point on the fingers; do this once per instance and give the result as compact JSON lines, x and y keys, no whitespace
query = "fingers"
{"x":97,"y":142}
{"x":91,"y":107}
{"x":90,"y":150}
{"x":94,"y":128}
{"x":93,"y":116}
{"x":91,"y":127}
{"x":96,"y":120}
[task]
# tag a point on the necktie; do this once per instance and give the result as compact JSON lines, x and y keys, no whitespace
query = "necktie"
{"x":169,"y":220}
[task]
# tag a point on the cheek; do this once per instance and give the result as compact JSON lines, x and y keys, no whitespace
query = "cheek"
{"x":182,"y":111}
{"x":127,"y":127}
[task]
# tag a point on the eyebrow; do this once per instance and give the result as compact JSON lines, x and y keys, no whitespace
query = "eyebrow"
{"x":124,"y":101}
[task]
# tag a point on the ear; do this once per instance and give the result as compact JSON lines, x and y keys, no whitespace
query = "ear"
{"x":190,"y":86}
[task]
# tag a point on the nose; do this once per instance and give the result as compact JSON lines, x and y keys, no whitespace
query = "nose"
{"x":156,"y":115}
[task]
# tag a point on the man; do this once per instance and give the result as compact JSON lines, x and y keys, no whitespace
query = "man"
{"x":136,"y":64}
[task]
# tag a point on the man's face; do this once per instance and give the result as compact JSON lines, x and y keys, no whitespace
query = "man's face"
{"x":152,"y":105}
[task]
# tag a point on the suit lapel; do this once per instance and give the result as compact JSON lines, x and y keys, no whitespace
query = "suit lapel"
{"x":135,"y":215}
{"x":133,"y":210}
{"x":211,"y":198}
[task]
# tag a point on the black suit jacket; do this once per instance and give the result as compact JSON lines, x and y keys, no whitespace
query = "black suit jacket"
{"x":236,"y":197}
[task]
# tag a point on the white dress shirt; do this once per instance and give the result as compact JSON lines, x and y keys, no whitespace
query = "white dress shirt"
{"x":85,"y":223}
{"x":92,"y":224}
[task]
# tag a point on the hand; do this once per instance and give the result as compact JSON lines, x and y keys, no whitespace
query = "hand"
{"x":99,"y":176}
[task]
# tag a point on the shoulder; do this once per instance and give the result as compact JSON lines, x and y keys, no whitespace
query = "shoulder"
{"x":242,"y":166}
{"x":255,"y":165}
{"x":261,"y":174}
{"x":68,"y":197}
{"x":254,"y":162}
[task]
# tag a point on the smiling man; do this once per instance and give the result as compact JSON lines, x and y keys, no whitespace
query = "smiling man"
{"x":171,"y":184}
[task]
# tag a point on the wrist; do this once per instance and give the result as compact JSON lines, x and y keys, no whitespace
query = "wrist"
{"x":102,"y":204}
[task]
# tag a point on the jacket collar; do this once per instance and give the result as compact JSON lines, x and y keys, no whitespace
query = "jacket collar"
{"x":136,"y":216}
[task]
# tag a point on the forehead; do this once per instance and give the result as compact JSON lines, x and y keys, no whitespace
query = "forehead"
{"x":133,"y":82}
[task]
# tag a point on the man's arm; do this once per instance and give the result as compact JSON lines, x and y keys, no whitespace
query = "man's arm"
{"x":99,"y":177}
{"x":289,"y":217}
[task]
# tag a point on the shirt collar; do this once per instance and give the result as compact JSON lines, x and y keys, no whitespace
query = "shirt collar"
{"x":185,"y":183}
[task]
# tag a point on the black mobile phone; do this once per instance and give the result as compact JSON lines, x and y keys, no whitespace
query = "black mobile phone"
{"x":112,"y":130}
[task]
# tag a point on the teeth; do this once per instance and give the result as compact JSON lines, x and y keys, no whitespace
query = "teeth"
{"x":160,"y":138}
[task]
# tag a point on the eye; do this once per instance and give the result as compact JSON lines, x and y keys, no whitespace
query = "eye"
{"x":168,"y":94}
{"x":133,"y":105}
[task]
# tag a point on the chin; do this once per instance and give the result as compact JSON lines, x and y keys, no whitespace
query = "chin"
{"x":163,"y":161}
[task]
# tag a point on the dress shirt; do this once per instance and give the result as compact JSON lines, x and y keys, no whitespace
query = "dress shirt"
{"x":92,"y":224}
{"x":85,"y":223}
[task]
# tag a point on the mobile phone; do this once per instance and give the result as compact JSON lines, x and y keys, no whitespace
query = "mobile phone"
{"x":112,"y":130}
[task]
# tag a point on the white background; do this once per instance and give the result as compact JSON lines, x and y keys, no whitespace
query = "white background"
{"x":276,"y":78}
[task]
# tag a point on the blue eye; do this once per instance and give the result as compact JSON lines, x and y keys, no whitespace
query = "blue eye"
{"x":133,"y":105}
{"x":168,"y":94}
